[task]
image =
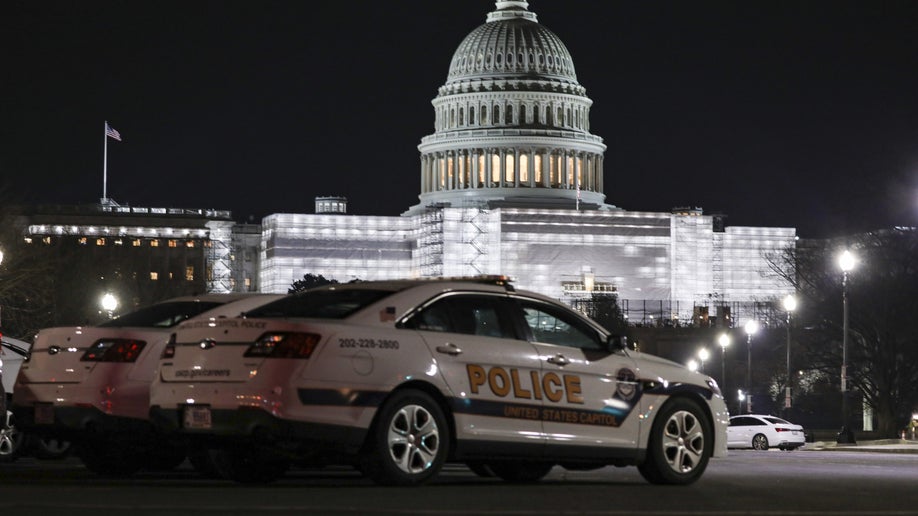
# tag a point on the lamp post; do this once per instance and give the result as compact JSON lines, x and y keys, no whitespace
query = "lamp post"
{"x":846,"y":264}
{"x":790,"y":304}
{"x":703,"y":356}
{"x":752,"y":326}
{"x":724,"y":341}
{"x":109,"y":303}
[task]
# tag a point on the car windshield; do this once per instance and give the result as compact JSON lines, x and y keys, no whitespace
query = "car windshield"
{"x":320,"y":304}
{"x":162,"y":315}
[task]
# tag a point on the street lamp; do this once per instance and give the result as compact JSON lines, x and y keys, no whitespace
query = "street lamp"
{"x":790,"y":304}
{"x":703,"y":356}
{"x":846,"y":263}
{"x":692,"y":365}
{"x":724,"y":341}
{"x":109,"y":303}
{"x":752,"y":326}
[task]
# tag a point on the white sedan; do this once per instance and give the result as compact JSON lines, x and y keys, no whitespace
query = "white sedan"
{"x":761,"y":432}
{"x":91,"y":384}
{"x":399,"y":377}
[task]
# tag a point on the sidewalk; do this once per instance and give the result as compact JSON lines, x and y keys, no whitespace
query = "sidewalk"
{"x":882,"y":446}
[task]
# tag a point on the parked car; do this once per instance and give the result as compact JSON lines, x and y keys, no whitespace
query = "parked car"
{"x":91,"y":384}
{"x":398,"y":377}
{"x":15,"y":443}
{"x":761,"y":432}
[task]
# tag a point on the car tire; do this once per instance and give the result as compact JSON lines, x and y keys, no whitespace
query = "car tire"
{"x":202,"y":460}
{"x":165,"y":457}
{"x":681,"y":443}
{"x":249,"y":466}
{"x":521,"y":471}
{"x":110,"y":461}
{"x":50,"y":448}
{"x":408,"y":442}
{"x":12,"y":441}
{"x":759,"y":442}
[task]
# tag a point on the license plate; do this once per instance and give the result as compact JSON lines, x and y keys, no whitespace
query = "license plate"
{"x":44,"y":414}
{"x":196,"y":417}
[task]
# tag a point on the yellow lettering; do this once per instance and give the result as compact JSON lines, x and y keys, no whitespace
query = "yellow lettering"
{"x":501,"y":387}
{"x":518,"y":390}
{"x":552,"y":394}
{"x":477,"y":377}
{"x":572,"y":386}
{"x":536,"y":386}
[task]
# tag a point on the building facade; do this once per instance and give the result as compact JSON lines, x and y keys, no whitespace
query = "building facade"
{"x":511,"y":182}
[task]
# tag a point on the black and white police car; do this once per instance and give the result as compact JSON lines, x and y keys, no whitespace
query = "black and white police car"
{"x":399,"y":377}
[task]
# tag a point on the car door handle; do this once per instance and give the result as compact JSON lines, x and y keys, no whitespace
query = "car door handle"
{"x":449,"y":349}
{"x":559,"y":359}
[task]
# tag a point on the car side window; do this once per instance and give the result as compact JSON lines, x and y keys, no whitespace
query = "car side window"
{"x":553,"y":326}
{"x":466,"y":314}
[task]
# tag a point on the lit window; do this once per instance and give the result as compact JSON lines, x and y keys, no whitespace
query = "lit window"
{"x":154,"y":243}
{"x":189,"y":244}
{"x":28,"y":240}
{"x":154,"y":276}
{"x":119,"y":241}
{"x":248,"y":283}
{"x":100,"y":241}
{"x":173,"y":243}
{"x":189,"y":273}
{"x":136,"y":242}
{"x":46,"y":240}
{"x":82,"y":240}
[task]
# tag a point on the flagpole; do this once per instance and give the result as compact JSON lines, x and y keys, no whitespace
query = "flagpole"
{"x":105,"y":164}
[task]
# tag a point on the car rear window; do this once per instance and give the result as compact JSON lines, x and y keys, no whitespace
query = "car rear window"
{"x":320,"y":304}
{"x":163,"y":315}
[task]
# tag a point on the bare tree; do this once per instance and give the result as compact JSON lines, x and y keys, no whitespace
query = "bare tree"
{"x":882,"y":351}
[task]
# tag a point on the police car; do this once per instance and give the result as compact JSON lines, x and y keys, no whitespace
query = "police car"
{"x":399,"y":377}
{"x":91,"y":384}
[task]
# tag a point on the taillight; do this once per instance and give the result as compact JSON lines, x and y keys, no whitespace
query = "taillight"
{"x":779,"y":429}
{"x":284,"y":345}
{"x":169,"y":350}
{"x":114,"y":350}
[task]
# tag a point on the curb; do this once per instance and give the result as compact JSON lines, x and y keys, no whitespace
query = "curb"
{"x":882,"y":446}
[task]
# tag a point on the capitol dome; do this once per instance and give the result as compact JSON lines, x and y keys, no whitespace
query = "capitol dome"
{"x":511,"y":123}
{"x":512,"y":45}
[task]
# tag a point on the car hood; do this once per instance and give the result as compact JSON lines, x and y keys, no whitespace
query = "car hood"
{"x":652,"y":367}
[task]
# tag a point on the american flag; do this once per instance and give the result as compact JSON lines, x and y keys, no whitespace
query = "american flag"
{"x":109,"y":131}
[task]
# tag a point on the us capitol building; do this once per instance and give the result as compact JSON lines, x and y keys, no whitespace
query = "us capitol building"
{"x":511,"y":183}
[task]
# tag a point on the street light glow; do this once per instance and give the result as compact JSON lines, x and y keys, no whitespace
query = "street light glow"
{"x":846,"y":261}
{"x":752,"y":326}
{"x":109,"y":302}
{"x":790,"y":303}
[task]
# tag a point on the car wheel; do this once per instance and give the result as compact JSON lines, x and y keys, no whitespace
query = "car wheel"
{"x":109,"y":461}
{"x":12,"y":441}
{"x":408,"y":442}
{"x":50,"y":448}
{"x":202,"y":460}
{"x":759,"y":442}
{"x":249,"y":466}
{"x":522,"y":471}
{"x":165,"y":457}
{"x":680,"y":445}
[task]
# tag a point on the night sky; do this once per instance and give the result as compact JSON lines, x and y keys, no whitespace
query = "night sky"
{"x":775,"y":113}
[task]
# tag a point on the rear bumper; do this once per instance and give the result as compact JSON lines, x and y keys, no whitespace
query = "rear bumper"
{"x":255,"y":425}
{"x":72,"y":423}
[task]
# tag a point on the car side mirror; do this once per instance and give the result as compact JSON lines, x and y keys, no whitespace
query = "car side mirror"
{"x":617,"y":342}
